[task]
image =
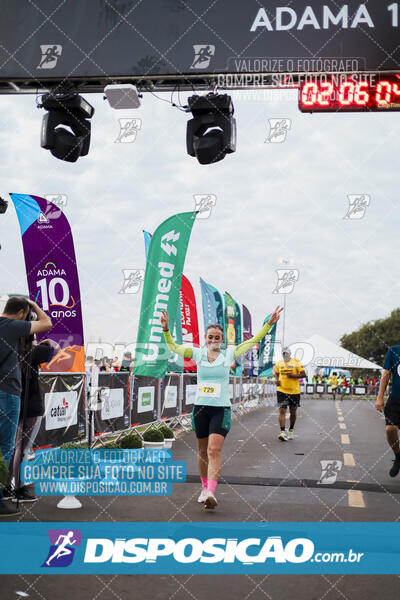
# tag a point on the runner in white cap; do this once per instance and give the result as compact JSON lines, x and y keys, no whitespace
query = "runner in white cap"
{"x":287,"y":374}
{"x":211,"y":416}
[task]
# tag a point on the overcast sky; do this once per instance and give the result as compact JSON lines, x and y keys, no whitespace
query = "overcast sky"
{"x":274,"y":200}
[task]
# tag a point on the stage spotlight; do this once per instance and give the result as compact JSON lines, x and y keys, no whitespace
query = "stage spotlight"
{"x":72,"y":111}
{"x":211,"y":134}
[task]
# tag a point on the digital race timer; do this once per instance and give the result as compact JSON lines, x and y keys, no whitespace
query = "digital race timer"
{"x":350,"y":93}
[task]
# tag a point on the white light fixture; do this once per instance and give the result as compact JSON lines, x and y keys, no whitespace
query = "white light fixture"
{"x":122,"y":96}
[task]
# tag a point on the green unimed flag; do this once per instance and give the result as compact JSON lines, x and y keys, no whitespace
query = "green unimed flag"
{"x":162,"y":284}
{"x":266,"y":352}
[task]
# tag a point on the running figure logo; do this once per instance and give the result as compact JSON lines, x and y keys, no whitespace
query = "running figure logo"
{"x":133,"y":279}
{"x":357,"y":206}
{"x":329,"y":471}
{"x":204,"y":203}
{"x":128,"y":129}
{"x":50,"y":55}
{"x":62,"y":547}
{"x":202,"y":56}
{"x":286,"y":281}
{"x":278,"y":129}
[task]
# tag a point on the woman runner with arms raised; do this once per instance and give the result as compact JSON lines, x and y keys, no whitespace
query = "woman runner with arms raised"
{"x":211,"y":416}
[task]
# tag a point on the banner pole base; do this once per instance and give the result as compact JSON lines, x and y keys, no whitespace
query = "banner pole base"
{"x":69,"y":502}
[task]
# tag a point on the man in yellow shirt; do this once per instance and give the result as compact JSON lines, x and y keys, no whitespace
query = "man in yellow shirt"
{"x":287,"y":374}
{"x":334,"y":383}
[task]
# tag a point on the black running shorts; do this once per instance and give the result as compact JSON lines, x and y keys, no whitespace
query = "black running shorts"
{"x":392,"y":411}
{"x":288,"y":400}
{"x":211,"y":419}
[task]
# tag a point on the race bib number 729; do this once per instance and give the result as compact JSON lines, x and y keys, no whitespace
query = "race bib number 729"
{"x":210,"y":390}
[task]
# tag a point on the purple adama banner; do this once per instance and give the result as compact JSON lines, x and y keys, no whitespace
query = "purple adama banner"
{"x":53,"y":277}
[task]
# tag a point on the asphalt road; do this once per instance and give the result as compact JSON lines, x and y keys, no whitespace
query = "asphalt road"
{"x":263,"y":479}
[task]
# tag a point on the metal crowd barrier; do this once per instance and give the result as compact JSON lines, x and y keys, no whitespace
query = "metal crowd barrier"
{"x":117,"y":401}
{"x":320,"y":389}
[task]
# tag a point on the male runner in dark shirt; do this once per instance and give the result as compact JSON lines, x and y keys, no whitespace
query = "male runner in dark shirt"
{"x":392,"y":408}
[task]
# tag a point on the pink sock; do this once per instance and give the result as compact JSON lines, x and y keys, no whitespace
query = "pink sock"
{"x":204,"y":481}
{"x":212,"y":484}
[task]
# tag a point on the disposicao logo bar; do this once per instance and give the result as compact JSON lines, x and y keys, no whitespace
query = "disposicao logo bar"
{"x":196,"y":547}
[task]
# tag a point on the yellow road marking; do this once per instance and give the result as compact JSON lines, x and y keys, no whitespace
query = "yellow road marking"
{"x":355,"y":498}
{"x":348,"y":460}
{"x":340,"y":418}
{"x":342,"y":426}
{"x":345,"y":438}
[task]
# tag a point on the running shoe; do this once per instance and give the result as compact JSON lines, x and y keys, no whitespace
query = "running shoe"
{"x":290,"y":435}
{"x":210,"y":501}
{"x":203,"y":495}
{"x":395,"y":468}
{"x":22,"y":495}
{"x":8,"y":493}
{"x":283,"y":436}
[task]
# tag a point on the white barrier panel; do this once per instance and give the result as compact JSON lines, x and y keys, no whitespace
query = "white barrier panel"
{"x":191,"y":392}
{"x":145,"y":399}
{"x":171,"y":396}
{"x":360,"y":390}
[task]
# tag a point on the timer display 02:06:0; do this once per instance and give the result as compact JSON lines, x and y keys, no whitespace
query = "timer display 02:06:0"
{"x":348,"y":95}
